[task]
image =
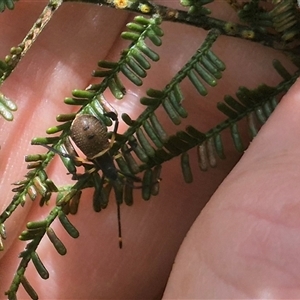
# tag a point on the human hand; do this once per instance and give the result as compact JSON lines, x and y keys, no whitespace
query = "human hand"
{"x":245,"y":243}
{"x":95,"y":267}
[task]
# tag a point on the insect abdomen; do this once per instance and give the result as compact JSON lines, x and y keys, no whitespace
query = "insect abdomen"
{"x":89,"y":134}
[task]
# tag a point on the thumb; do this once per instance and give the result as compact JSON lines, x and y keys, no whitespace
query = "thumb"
{"x":246,"y":241}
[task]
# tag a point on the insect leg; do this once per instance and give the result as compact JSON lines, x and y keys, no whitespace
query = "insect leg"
{"x":114,"y":117}
{"x":119,"y":225}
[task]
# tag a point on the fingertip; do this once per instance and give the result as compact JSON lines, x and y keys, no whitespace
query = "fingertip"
{"x":244,"y":243}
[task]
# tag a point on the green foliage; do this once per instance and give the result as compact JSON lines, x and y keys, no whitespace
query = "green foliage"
{"x":7,"y":4}
{"x":196,"y":7}
{"x":283,"y":18}
{"x":134,"y":61}
{"x":7,"y":106}
{"x":141,"y":151}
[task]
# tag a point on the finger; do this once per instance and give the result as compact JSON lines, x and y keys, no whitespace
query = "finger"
{"x":245,"y":242}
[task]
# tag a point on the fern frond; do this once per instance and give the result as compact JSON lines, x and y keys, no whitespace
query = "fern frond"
{"x":257,"y":105}
{"x":16,"y":53}
{"x":146,"y":136}
{"x":35,"y":185}
{"x":134,"y":61}
{"x":284,"y":17}
{"x":253,"y":33}
{"x":11,"y":60}
{"x":34,"y":233}
{"x":204,"y":66}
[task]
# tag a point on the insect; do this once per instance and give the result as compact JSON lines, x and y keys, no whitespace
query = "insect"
{"x":90,"y":136}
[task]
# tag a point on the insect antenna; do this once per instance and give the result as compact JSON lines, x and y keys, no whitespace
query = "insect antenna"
{"x":119,"y":226}
{"x":52,"y":149}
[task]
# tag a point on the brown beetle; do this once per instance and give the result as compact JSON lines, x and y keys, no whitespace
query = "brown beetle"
{"x":90,"y":136}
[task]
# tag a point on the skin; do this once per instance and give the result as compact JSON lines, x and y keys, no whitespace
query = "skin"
{"x":245,"y":242}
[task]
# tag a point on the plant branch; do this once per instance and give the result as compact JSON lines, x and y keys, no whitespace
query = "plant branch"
{"x":16,"y":53}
